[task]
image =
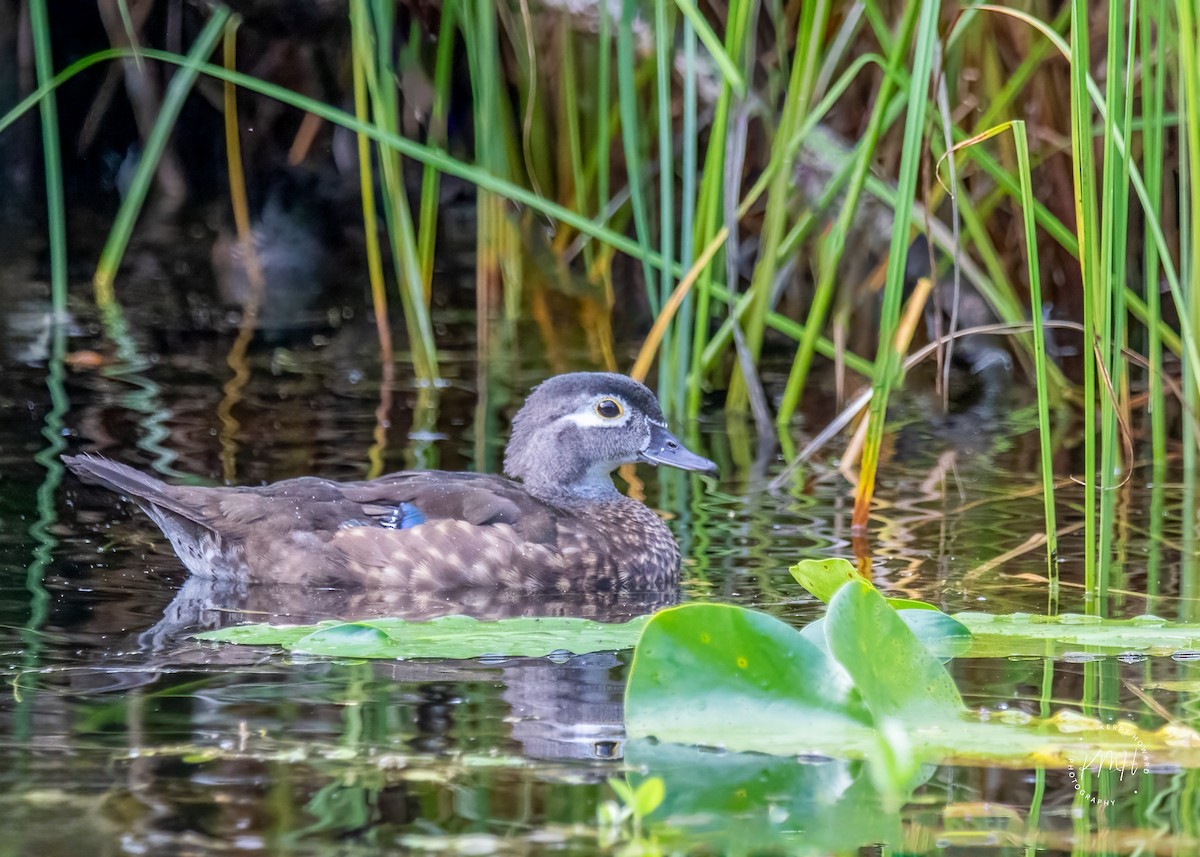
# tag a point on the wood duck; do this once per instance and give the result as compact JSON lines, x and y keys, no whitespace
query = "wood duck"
{"x":564,"y":527}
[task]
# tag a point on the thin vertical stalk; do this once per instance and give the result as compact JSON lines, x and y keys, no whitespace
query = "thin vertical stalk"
{"x":834,"y":244}
{"x":1113,"y":240}
{"x":887,"y":360}
{"x":710,"y":203}
{"x":805,"y":64}
{"x":431,"y":177}
{"x":372,"y":29}
{"x":1153,"y":101}
{"x":627,"y":97}
{"x":359,"y":58}
{"x":603,"y":103}
{"x":677,"y":389}
{"x":48,"y":457}
{"x":1189,"y":244}
{"x":1086,"y":221}
{"x":231,"y":391}
{"x":1024,"y":171}
{"x":664,"y":47}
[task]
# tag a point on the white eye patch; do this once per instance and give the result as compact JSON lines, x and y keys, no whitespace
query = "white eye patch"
{"x":586,"y":417}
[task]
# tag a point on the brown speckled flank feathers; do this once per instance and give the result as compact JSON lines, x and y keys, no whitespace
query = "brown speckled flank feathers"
{"x":563,"y":528}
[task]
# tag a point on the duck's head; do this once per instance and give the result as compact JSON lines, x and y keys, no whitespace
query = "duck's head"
{"x":575,"y":430}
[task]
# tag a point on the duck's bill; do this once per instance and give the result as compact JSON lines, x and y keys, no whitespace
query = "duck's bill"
{"x":665,"y":449}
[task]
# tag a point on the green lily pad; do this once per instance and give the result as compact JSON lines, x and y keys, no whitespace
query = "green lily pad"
{"x":735,"y":679}
{"x":700,"y":670}
{"x":444,"y":637}
{"x":824,"y":577}
{"x":900,"y":681}
{"x":943,"y":636}
{"x":1024,"y":634}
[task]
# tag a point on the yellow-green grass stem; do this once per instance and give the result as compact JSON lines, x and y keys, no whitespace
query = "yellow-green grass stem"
{"x":1041,"y":362}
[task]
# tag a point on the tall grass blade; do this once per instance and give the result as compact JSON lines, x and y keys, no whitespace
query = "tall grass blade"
{"x":627,"y":97}
{"x":887,"y":361}
{"x":431,"y":178}
{"x":805,"y":64}
{"x":834,"y":244}
{"x":1087,"y":226}
{"x":1153,"y":12}
{"x":1024,"y":171}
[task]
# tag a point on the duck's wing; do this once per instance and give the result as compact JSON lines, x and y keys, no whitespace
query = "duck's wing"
{"x":455,"y":531}
{"x":404,"y":500}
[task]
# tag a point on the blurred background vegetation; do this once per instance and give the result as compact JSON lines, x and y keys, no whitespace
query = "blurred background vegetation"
{"x":734,"y":197}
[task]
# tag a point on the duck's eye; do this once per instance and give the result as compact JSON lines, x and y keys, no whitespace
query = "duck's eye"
{"x":610,"y":409}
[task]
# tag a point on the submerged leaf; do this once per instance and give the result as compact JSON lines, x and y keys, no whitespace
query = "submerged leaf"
{"x":351,"y":639}
{"x":444,"y":637}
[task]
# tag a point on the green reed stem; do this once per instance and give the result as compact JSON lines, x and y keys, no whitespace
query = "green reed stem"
{"x":664,"y":48}
{"x":627,"y":96}
{"x":48,"y":457}
{"x":1086,"y":224}
{"x":887,"y":360}
{"x":802,"y":77}
{"x":1189,"y":204}
{"x":1114,"y":195}
{"x":431,"y":178}
{"x":603,"y":107}
{"x":834,"y":244}
{"x":1041,"y":361}
{"x":1153,"y":103}
{"x":681,"y":359}
{"x":710,"y":199}
{"x":372,"y":26}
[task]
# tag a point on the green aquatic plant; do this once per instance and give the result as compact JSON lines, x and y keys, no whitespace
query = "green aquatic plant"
{"x":859,"y":685}
{"x":444,"y":637}
{"x":623,"y":821}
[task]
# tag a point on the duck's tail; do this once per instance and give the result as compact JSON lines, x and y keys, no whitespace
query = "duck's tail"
{"x":125,"y":480}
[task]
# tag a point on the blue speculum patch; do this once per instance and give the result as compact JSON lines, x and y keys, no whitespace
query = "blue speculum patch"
{"x":403,"y":517}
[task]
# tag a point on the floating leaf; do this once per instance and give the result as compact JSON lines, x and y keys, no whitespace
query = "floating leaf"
{"x":824,"y":577}
{"x":735,"y":679}
{"x":701,"y":670}
{"x":943,"y":636}
{"x":895,"y":674}
{"x":1028,"y":634}
{"x":444,"y":637}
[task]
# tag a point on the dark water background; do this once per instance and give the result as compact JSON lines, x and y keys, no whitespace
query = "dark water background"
{"x":122,"y":736}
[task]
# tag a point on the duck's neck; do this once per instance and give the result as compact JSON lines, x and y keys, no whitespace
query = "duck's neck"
{"x":591,"y":488}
